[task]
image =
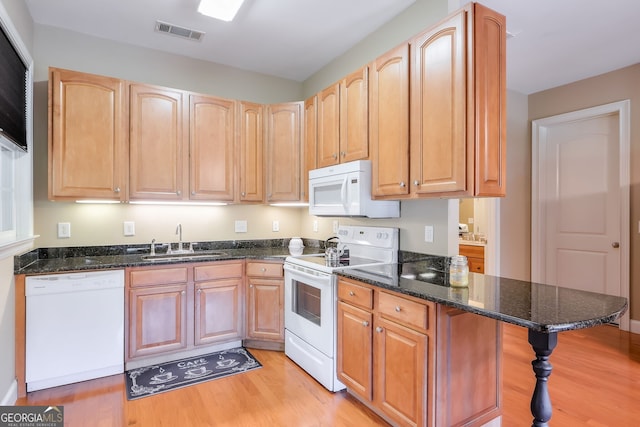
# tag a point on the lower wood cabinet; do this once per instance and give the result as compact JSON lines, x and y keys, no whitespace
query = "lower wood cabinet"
{"x":179,"y":308}
{"x":265,"y":304}
{"x":415,"y":362}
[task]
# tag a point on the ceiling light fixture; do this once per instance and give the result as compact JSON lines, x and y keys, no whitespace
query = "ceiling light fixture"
{"x":225,"y":10}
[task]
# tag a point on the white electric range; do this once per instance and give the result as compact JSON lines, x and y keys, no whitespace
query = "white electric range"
{"x":311,"y":296}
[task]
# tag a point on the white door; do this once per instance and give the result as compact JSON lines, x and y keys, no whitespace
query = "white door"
{"x":579,"y":232}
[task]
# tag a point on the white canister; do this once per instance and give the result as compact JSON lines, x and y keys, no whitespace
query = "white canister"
{"x":296,"y":246}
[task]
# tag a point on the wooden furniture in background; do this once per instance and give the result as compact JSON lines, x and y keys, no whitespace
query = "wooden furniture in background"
{"x":475,"y":257}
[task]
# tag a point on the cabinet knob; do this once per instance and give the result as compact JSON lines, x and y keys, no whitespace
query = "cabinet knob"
{"x":199,"y":290}
{"x":117,"y":189}
{"x":343,"y":154}
{"x":251,"y":286}
{"x":243,"y":194}
{"x":263,"y":269}
{"x":402,"y":184}
{"x":183,"y":292}
{"x":398,"y":309}
{"x":351,"y":293}
{"x":416,"y":182}
{"x":178,"y":192}
{"x":365,"y":323}
{"x":379,"y":329}
{"x":615,"y":244}
{"x":335,"y":156}
{"x":193,"y":193}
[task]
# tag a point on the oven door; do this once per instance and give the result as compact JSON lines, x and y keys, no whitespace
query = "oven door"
{"x":309,"y":306}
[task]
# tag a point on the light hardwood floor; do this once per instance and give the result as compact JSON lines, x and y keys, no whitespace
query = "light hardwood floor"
{"x":595,"y":382}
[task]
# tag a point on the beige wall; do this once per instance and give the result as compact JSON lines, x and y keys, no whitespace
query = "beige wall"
{"x":21,"y":20}
{"x":614,"y":86}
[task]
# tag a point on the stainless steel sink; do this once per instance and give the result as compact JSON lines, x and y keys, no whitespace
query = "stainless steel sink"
{"x":184,"y":256}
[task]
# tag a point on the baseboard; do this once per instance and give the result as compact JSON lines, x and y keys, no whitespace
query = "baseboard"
{"x":634,"y":326}
{"x":11,"y":396}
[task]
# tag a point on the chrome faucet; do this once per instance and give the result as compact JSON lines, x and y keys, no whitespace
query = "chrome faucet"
{"x":179,"y":232}
{"x":153,"y":247}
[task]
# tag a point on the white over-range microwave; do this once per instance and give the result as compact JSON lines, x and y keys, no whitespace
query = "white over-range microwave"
{"x":345,"y":190}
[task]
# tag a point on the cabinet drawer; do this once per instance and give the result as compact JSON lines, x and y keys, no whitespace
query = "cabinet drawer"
{"x":157,"y":276}
{"x":404,"y":310}
{"x":355,"y":294}
{"x":264,"y":269}
{"x":218,"y":271}
{"x":476,"y":265}
{"x":471,"y":251}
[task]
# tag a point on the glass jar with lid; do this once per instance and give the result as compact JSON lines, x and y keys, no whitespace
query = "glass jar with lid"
{"x":459,"y":271}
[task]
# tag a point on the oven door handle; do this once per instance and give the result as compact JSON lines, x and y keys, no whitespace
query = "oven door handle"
{"x":321,"y":276}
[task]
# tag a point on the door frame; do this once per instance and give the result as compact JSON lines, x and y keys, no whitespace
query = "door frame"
{"x":538,"y":224}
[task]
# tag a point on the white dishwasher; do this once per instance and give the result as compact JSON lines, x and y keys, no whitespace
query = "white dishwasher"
{"x":74,"y":327}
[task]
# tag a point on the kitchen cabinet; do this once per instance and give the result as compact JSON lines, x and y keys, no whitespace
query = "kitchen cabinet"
{"x":211,"y":148}
{"x":265,"y":305}
{"x":283,"y":154}
{"x":408,"y":359}
{"x":310,"y":142}
{"x":384,"y":354}
{"x":251,"y":157}
{"x":219,"y":303}
{"x":158,"y":139}
{"x":343,"y":120}
{"x":389,"y":122}
{"x":87,"y":136}
{"x":458,"y":106}
{"x":475,"y":257}
{"x":157,"y":310}
{"x":182,"y":310}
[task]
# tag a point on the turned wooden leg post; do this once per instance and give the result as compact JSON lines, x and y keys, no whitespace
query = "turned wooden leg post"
{"x":543,"y":344}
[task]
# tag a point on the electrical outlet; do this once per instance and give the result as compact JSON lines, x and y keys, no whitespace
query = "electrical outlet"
{"x":315,"y":225}
{"x":241,"y":226}
{"x":275,"y":226}
{"x":64,"y":230}
{"x":469,"y":220}
{"x":336,"y":224}
{"x":129,"y":228}
{"x":428,"y":233}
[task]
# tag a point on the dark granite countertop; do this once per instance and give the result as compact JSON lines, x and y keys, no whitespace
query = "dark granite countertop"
{"x":60,"y":260}
{"x":535,"y":306}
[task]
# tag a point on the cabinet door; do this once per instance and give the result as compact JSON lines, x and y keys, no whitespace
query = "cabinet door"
{"x":211,"y":146}
{"x":438,"y":108}
{"x":489,"y":52}
{"x":87,"y":136}
{"x":354,"y":116}
{"x":310,"y":142}
{"x":354,"y":367}
{"x":251,"y":152}
{"x":265,"y":309}
{"x":158,"y":157}
{"x":157,"y":320}
{"x":218,"y":311}
{"x":401,"y":380}
{"x":389,"y":123}
{"x":284,"y":139}
{"x":328,"y":145}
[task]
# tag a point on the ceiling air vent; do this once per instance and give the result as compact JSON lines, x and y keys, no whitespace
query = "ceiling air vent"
{"x":175,"y":30}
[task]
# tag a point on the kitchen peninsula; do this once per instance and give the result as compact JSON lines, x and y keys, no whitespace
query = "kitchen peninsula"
{"x":544,"y":310}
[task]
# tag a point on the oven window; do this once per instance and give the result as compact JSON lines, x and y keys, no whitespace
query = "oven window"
{"x":306,"y":302}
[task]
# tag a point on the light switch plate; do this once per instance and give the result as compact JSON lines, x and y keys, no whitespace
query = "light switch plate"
{"x":315,"y":225}
{"x":129,"y":228}
{"x":241,"y":226}
{"x":428,"y":233}
{"x":64,"y":230}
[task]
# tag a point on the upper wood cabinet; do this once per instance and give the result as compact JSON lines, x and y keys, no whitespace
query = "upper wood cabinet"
{"x":87,"y":136}
{"x":389,"y":122}
{"x":283,"y":159}
{"x":211,"y":148}
{"x":342,"y":120}
{"x":158,"y":152}
{"x":250,"y":146}
{"x":458,"y":90}
{"x":310,"y":142}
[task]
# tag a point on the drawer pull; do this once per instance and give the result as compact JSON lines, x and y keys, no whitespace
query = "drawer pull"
{"x":379,"y":329}
{"x":398,"y":309}
{"x":352,"y":294}
{"x":365,"y":323}
{"x":263,"y":269}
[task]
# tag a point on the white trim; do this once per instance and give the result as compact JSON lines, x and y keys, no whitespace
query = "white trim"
{"x":11,"y":396}
{"x":492,"y":249}
{"x":539,"y":133}
{"x":16,"y":247}
{"x":634,"y":326}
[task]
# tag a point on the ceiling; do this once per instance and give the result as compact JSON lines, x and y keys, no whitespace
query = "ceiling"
{"x":553,"y":43}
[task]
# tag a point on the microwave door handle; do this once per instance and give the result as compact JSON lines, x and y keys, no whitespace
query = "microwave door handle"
{"x":343,"y":193}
